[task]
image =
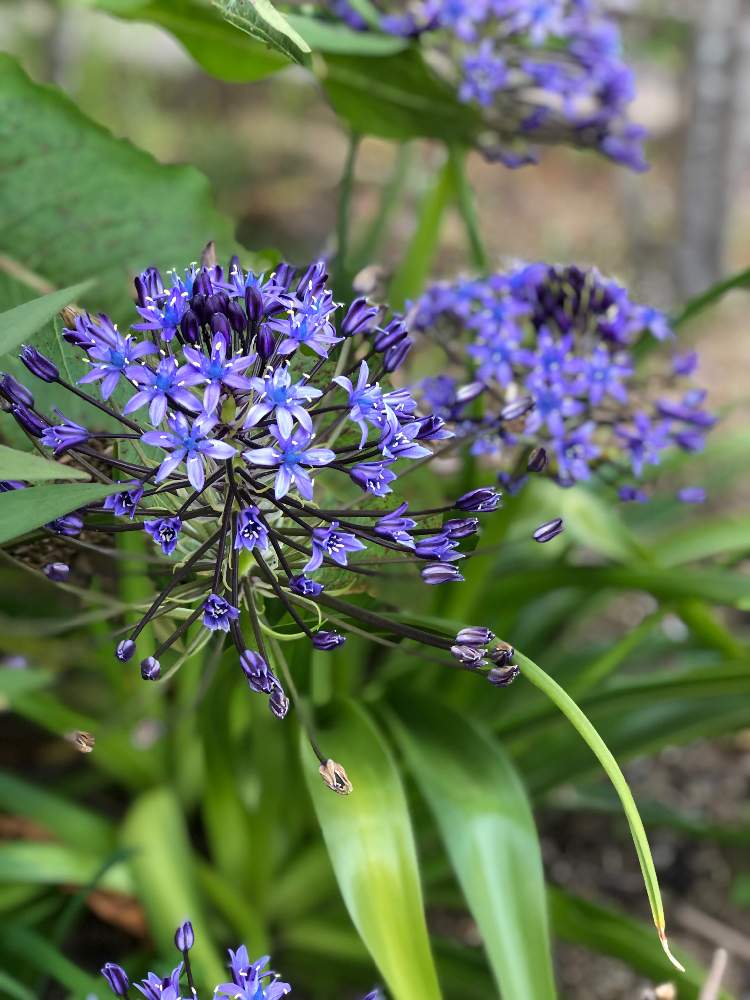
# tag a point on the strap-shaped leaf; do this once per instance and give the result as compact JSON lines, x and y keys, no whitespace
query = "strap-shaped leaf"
{"x":371,"y":845}
{"x":260,"y":19}
{"x":33,"y":468}
{"x":20,"y":323}
{"x":24,"y":510}
{"x":488,"y":830}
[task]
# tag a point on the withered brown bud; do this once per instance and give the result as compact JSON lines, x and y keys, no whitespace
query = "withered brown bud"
{"x":68,"y":314}
{"x":335,"y":777}
{"x":208,"y":256}
{"x":82,"y":740}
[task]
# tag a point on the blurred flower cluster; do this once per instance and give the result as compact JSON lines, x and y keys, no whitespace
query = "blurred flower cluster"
{"x":544,"y":374}
{"x":258,"y":441}
{"x":543,"y":71}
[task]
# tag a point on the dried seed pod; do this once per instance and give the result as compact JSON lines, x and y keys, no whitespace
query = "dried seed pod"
{"x":335,"y":777}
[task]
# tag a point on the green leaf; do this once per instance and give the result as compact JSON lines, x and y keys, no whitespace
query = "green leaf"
{"x":371,"y":845}
{"x":397,"y":97}
{"x":710,"y":297}
{"x":14,"y":989}
{"x":590,"y":736}
{"x":23,"y":862}
{"x":702,"y":540}
{"x":488,"y":830}
{"x":17,"y":683}
{"x":21,"y":942}
{"x":331,"y":36}
{"x":24,"y":510}
{"x":163,"y":869}
{"x":33,"y":468}
{"x":609,"y":932}
{"x":261,"y":20}
{"x":213,"y":42}
{"x":19,"y":324}
{"x":76,"y":202}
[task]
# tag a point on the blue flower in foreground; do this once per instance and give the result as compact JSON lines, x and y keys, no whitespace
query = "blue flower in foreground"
{"x":217,"y":370}
{"x":291,"y":454}
{"x":165,"y":531}
{"x":332,"y":543}
{"x":188,"y":444}
{"x":218,"y":613}
{"x":284,"y":399}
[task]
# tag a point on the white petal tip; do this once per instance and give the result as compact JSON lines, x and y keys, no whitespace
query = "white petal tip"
{"x":667,"y":951}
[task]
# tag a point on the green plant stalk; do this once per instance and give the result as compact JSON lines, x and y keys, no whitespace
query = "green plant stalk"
{"x":369,"y":245}
{"x":465,"y":201}
{"x":587,"y":732}
{"x":344,"y":215}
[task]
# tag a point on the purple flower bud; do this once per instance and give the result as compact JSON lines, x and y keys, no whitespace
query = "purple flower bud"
{"x":117,"y":979}
{"x":14,"y":391}
{"x":685,"y":364}
{"x":150,"y":669}
{"x":501,"y":655}
{"x":253,"y":305}
{"x":304,"y":586}
{"x":69,"y":524}
{"x":220,"y":324}
{"x":503,"y":676}
{"x":475,"y":635}
{"x":391,"y":334}
{"x":327,"y":640}
{"x":141,"y":292}
{"x":217,"y":302}
{"x":518,"y":408}
{"x":202,"y":284}
{"x":359,"y":318}
{"x":538,"y":460}
{"x":284,"y":275}
{"x":437,"y":573}
{"x":190,"y":326}
{"x":257,"y":672}
{"x":278,"y":703}
{"x":468,"y":393}
{"x":432,"y":428}
{"x":481,"y":500}
{"x":692,"y":494}
{"x":549,"y":530}
{"x":470,"y":656}
{"x":631,"y":494}
{"x":30,"y":421}
{"x":198,"y":306}
{"x":394,"y":356}
{"x":265,"y":344}
{"x":314,"y":278}
{"x":184,"y":937}
{"x":39,"y":364}
{"x":57,"y":571}
{"x":237,"y":318}
{"x":125,"y":650}
{"x":461,"y":527}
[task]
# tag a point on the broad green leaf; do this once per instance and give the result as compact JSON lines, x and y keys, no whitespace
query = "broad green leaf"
{"x":164,"y":873}
{"x":609,"y":932}
{"x":24,"y":862}
{"x":371,"y":845}
{"x":332,"y":36}
{"x":33,"y":468}
{"x":702,"y":540}
{"x":15,"y":684}
{"x":24,"y":510}
{"x":397,"y":97}
{"x":590,"y":736}
{"x":213,"y":42}
{"x":488,"y":831}
{"x":77,"y":202}
{"x":19,"y":324}
{"x":261,"y":20}
{"x":710,"y":297}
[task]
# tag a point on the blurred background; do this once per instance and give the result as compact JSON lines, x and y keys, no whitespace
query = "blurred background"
{"x":274,"y":153}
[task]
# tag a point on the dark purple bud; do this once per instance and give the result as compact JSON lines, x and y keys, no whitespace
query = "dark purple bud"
{"x":253,"y":305}
{"x":284,"y":275}
{"x":202,"y":284}
{"x":391,"y":334}
{"x":549,"y":530}
{"x":125,"y":650}
{"x":153,"y":281}
{"x":220,"y":324}
{"x":437,"y":573}
{"x":57,"y":571}
{"x":327,"y":640}
{"x":217,"y":302}
{"x":117,"y":979}
{"x":432,"y":429}
{"x":632,"y":494}
{"x":198,"y":306}
{"x":538,"y":460}
{"x":692,"y":494}
{"x":278,"y":703}
{"x":14,"y":391}
{"x":257,"y":672}
{"x":481,"y":500}
{"x":304,"y":586}
{"x":685,"y":364}
{"x":461,"y":527}
{"x":394,"y":356}
{"x":315,"y":278}
{"x":518,"y":408}
{"x":467,"y":393}
{"x":237,"y":318}
{"x":39,"y":364}
{"x":141,"y":293}
{"x":359,"y":318}
{"x":470,"y":656}
{"x":475,"y":635}
{"x":150,"y":669}
{"x":265,"y":344}
{"x":190,"y":326}
{"x":501,"y":655}
{"x":69,"y":524}
{"x":30,"y":421}
{"x":184,"y":938}
{"x":503,"y":676}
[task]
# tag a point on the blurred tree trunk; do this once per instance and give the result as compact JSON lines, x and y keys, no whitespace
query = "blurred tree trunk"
{"x":716,"y":139}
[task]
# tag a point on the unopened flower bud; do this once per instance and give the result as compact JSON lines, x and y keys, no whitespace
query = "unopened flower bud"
{"x":480,"y":500}
{"x":517,"y":409}
{"x":335,"y":777}
{"x":437,"y":573}
{"x":15,"y":391}
{"x":327,"y":640}
{"x":470,"y":656}
{"x":150,"y":669}
{"x":475,"y":635}
{"x":503,"y":676}
{"x":538,"y":460}
{"x":549,"y":530}
{"x":184,"y":938}
{"x":30,"y":421}
{"x":125,"y":650}
{"x":57,"y":571}
{"x":117,"y":979}
{"x":39,"y":364}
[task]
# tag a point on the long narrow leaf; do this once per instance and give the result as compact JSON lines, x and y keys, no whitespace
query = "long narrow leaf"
{"x":24,"y":510}
{"x":19,"y":324}
{"x":33,"y":468}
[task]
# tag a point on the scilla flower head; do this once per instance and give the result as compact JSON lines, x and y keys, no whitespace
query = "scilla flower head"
{"x":538,"y":71}
{"x":258,"y":443}
{"x":542,"y":374}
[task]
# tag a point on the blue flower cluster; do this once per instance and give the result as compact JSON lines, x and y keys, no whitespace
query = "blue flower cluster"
{"x":239,"y":398}
{"x":546,"y":71}
{"x":543,"y":360}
